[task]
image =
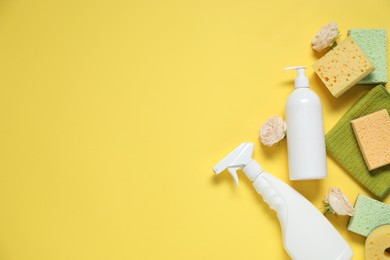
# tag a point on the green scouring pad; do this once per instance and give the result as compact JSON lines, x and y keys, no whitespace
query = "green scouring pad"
{"x":373,"y":42}
{"x":369,"y":214}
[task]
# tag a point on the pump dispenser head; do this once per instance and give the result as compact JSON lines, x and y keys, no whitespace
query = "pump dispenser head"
{"x":301,"y":81}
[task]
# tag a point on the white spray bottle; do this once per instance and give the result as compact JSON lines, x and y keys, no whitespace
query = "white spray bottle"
{"x":305,"y":131}
{"x":307,"y":234}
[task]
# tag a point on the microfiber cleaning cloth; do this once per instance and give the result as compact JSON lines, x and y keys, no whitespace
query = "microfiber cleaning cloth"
{"x":342,"y":145}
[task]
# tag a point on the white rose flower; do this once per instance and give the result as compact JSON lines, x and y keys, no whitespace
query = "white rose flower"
{"x":337,"y":202}
{"x":273,"y":130}
{"x":325,"y":37}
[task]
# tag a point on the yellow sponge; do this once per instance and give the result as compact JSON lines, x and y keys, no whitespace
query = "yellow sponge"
{"x":372,"y":132}
{"x":378,"y":244}
{"x":343,"y":67}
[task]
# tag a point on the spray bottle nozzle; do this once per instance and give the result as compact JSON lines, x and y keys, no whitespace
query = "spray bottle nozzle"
{"x":301,"y":81}
{"x":239,"y":158}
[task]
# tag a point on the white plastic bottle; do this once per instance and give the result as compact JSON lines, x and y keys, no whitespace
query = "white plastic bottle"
{"x":305,"y":131}
{"x":307,"y":234}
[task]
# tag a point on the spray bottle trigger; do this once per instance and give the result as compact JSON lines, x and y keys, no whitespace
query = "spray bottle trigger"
{"x":233,"y":173}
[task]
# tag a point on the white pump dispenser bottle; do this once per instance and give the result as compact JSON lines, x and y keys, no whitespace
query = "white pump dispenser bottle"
{"x":305,"y":131}
{"x":307,"y":234}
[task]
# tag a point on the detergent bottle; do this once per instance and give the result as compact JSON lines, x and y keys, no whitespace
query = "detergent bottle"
{"x":305,"y":131}
{"x":307,"y":234}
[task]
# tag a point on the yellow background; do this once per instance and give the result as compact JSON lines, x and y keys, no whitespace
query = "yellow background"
{"x":113,"y":114}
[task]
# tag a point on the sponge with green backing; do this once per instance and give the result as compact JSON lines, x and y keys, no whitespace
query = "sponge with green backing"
{"x":373,"y":42}
{"x":369,"y":214}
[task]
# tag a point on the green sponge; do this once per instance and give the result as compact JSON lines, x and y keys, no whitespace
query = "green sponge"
{"x":369,"y":214}
{"x":373,"y":42}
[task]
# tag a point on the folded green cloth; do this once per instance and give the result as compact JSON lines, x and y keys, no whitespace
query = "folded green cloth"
{"x":341,"y":143}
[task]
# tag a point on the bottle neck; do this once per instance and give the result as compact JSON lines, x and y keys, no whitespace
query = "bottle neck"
{"x":252,"y":170}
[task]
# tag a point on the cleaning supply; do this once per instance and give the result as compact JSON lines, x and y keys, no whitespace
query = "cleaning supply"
{"x":378,"y":244}
{"x":373,"y":43}
{"x":369,"y":214}
{"x":305,"y":131}
{"x":373,"y":135}
{"x":307,"y":234}
{"x":343,"y":67}
{"x":343,"y":147}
